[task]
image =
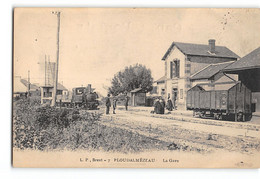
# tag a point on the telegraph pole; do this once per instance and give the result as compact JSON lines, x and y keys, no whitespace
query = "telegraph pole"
{"x":49,"y":69}
{"x":57,"y":60}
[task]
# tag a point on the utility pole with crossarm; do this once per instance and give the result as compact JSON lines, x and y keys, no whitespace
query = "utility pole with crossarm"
{"x":57,"y":61}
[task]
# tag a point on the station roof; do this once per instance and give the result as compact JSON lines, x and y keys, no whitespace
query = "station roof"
{"x":201,"y":50}
{"x":210,"y":71}
{"x":250,"y":61}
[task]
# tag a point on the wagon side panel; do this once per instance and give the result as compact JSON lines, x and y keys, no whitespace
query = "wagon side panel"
{"x":212,"y":100}
{"x":207,"y":99}
{"x":231,"y":100}
{"x":196,"y":99}
{"x":217,"y":100}
{"x":247,"y":101}
{"x":223,"y":100}
{"x":201,"y":99}
{"x":240,"y":98}
{"x":189,"y":99}
{"x":193,"y":99}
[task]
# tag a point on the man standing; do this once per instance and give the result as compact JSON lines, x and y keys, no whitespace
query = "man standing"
{"x":126,"y":102}
{"x":108,"y":104}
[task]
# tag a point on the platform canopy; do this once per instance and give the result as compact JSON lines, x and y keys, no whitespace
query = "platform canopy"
{"x":248,"y":70}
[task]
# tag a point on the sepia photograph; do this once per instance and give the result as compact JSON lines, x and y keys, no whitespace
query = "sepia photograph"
{"x":136,"y":87}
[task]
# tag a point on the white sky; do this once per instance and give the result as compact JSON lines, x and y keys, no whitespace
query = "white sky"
{"x":97,"y":43}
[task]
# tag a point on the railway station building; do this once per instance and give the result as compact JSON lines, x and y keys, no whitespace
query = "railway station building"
{"x":248,"y":71}
{"x":182,"y":60}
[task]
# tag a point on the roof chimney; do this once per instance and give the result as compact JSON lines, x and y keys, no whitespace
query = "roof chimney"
{"x":212,"y":45}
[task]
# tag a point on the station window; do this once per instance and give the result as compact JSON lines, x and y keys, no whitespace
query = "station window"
{"x":175,"y":68}
{"x":172,"y":69}
{"x":59,"y":92}
{"x":79,"y":91}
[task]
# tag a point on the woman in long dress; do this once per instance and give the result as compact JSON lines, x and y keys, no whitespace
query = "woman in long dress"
{"x":162,"y":107}
{"x":169,"y":105}
{"x":157,"y":106}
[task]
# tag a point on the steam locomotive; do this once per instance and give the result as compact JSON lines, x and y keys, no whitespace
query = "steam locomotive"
{"x":79,"y":97}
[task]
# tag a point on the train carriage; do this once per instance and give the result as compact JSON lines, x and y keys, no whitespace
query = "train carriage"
{"x":225,"y":101}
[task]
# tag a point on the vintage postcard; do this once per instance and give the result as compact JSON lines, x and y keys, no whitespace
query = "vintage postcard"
{"x":136,"y":87}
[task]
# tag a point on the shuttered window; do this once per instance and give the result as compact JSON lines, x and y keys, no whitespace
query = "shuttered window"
{"x":171,"y":69}
{"x":177,"y":68}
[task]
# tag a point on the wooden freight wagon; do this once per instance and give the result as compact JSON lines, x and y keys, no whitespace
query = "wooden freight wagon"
{"x":228,"y":101}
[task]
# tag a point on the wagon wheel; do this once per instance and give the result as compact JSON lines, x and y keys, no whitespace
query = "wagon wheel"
{"x":216,"y":116}
{"x":202,"y":115}
{"x":194,"y":114}
{"x":239,"y":116}
{"x":244,"y":118}
{"x":248,"y":117}
{"x":220,"y":117}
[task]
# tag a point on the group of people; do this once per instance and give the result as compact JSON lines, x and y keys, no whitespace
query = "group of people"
{"x":114,"y":103}
{"x":159,"y":105}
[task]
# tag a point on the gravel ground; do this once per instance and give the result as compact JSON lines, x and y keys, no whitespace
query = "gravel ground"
{"x":187,"y":133}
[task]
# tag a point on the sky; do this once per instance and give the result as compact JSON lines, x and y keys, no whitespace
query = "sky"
{"x":97,"y":43}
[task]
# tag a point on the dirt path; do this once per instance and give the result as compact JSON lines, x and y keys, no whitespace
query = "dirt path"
{"x":197,"y":135}
{"x":187,"y":117}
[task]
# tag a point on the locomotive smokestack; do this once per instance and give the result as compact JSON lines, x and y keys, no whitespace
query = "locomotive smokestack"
{"x":212,"y":45}
{"x":89,"y":88}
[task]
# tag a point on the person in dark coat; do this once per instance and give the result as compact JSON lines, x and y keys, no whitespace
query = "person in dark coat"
{"x":169,"y":104}
{"x":157,"y":106}
{"x":108,"y":104}
{"x":126,"y":102}
{"x":162,"y":102}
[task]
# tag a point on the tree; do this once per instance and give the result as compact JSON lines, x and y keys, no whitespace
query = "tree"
{"x":132,"y":77}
